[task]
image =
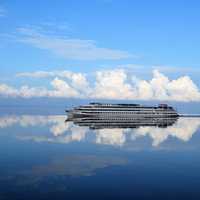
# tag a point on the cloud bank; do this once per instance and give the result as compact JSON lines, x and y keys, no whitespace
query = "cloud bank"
{"x":106,"y":84}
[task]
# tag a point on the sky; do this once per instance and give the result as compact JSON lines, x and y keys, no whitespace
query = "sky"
{"x":102,"y":49}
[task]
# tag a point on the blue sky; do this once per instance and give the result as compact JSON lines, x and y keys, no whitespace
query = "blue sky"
{"x":88,"y":36}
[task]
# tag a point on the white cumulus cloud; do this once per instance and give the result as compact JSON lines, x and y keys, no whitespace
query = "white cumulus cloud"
{"x":112,"y":84}
{"x":107,"y":84}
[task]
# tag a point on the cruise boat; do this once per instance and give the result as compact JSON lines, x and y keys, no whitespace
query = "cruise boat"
{"x":102,"y":111}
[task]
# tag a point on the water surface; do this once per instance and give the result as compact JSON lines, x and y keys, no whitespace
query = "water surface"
{"x":43,"y":157}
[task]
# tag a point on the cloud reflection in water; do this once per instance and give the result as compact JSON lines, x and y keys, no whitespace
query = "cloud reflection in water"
{"x":61,"y":132}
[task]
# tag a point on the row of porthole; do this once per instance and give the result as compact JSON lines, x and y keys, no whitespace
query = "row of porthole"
{"x":125,"y":119}
{"x":126,"y":112}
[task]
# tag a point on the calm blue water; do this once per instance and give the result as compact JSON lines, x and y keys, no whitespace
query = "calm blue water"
{"x":43,"y":157}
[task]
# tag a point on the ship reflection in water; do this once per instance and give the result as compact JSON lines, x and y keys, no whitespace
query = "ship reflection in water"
{"x":95,"y":123}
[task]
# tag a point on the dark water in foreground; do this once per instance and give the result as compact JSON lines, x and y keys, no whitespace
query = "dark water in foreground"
{"x":42,"y":157}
